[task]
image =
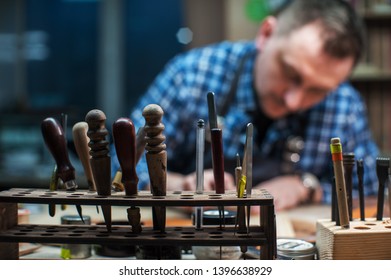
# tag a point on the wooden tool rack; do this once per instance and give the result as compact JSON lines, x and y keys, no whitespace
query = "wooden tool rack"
{"x":11,"y":233}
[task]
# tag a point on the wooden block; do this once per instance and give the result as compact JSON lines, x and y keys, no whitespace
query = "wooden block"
{"x":364,"y":240}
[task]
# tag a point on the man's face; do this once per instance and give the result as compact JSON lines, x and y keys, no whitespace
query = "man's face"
{"x":293,"y":73}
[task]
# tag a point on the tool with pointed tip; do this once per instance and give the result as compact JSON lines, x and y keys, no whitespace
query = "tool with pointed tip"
{"x":100,"y":159}
{"x":249,"y":168}
{"x":200,"y":148}
{"x":217,"y":152}
{"x":156,"y":156}
{"x":55,"y":139}
{"x":124,"y":137}
{"x":81,"y":140}
{"x":217,"y":146}
{"x":361,"y":197}
{"x":337,"y":158}
{"x":348,"y":164}
{"x":382,"y":166}
{"x":64,"y":124}
{"x":240,"y":215}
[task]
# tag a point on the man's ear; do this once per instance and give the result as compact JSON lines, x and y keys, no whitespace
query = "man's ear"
{"x":265,"y":31}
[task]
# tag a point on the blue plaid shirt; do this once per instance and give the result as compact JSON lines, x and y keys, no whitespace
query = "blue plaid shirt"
{"x":181,"y":91}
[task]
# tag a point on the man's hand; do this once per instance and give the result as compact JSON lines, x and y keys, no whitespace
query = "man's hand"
{"x":288,"y":191}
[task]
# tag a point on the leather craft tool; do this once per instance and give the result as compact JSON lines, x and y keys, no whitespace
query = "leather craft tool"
{"x":100,"y":159}
{"x":156,"y":156}
{"x":360,"y":175}
{"x":125,"y":144}
{"x":348,"y":165}
{"x":337,"y":158}
{"x":382,"y":166}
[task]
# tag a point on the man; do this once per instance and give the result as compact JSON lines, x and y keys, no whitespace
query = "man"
{"x":290,"y":84}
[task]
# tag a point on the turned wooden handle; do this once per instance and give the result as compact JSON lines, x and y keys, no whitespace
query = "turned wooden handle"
{"x":100,"y":159}
{"x":125,"y":144}
{"x":54,"y":137}
{"x":80,"y":139}
{"x":156,"y":149}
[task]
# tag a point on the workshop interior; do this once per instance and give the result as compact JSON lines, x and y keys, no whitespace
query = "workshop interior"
{"x":87,"y":62}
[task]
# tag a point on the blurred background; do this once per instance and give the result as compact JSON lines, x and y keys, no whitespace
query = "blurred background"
{"x":71,"y":56}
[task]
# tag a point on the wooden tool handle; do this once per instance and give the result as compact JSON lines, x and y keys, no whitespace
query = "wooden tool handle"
{"x":218,"y":159}
{"x":100,"y":159}
{"x":337,"y":158}
{"x":348,"y":164}
{"x":156,"y":153}
{"x":80,"y":139}
{"x":125,"y":144}
{"x":54,"y":137}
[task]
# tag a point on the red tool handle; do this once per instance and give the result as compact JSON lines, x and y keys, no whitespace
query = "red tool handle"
{"x":218,"y":159}
{"x":54,"y":137}
{"x":125,"y":144}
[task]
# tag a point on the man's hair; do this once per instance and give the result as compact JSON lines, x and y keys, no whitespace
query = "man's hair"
{"x":343,"y":30}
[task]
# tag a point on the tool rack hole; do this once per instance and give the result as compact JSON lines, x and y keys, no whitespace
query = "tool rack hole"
{"x":79,"y":231}
{"x":45,"y":195}
{"x":187,"y":196}
{"x":47,"y":234}
{"x":187,"y":236}
{"x":244,"y":235}
{"x":18,"y":194}
{"x":215,"y":196}
{"x":216,"y":236}
{"x":131,"y":235}
{"x":72,"y":228}
{"x":92,"y":228}
{"x":74,"y":234}
{"x":159,"y":236}
{"x":51,"y":230}
{"x":362,"y":227}
{"x":24,"y":192}
{"x":20,"y":233}
{"x":389,"y":227}
{"x":370,"y":224}
{"x":187,"y":232}
{"x":30,"y":227}
{"x":26,"y":230}
{"x":215,"y":232}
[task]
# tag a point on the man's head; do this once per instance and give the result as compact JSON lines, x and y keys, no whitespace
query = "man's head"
{"x":305,"y":52}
